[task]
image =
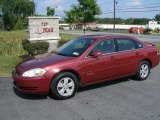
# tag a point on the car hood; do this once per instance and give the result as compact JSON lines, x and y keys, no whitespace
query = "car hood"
{"x":39,"y":61}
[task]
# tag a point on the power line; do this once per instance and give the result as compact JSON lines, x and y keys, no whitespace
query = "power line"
{"x":132,"y":11}
{"x":133,"y":8}
{"x":143,"y":5}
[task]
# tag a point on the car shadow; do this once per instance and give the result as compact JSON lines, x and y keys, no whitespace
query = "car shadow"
{"x":81,"y":89}
{"x":98,"y":85}
{"x":28,"y":96}
{"x":104,"y":84}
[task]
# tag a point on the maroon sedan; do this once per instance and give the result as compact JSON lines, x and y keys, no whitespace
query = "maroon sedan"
{"x":83,"y":61}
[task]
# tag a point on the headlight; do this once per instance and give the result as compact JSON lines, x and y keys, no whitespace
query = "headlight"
{"x":37,"y":72}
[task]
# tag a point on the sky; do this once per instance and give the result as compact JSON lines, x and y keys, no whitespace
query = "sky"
{"x":152,"y":7}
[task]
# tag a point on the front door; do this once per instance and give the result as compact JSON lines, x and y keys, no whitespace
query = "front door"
{"x":102,"y":67}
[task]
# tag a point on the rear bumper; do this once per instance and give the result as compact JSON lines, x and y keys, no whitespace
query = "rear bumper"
{"x":38,"y":85}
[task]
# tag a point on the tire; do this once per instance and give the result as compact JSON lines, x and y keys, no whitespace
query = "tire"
{"x":143,"y":70}
{"x":64,"y":86}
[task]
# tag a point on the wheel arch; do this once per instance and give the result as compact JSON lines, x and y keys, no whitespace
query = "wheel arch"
{"x":148,"y":60}
{"x":71,"y":71}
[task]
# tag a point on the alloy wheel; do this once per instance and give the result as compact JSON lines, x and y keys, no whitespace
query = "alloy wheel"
{"x":66,"y":86}
{"x":144,"y":70}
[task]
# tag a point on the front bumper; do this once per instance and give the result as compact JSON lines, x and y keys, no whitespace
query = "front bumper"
{"x":34,"y":85}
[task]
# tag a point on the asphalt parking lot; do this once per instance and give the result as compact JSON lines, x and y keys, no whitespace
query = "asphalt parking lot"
{"x":123,"y":99}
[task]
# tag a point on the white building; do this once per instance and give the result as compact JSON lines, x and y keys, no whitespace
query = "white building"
{"x":153,"y":25}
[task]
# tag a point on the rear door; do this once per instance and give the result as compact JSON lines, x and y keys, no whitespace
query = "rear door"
{"x":128,"y":56}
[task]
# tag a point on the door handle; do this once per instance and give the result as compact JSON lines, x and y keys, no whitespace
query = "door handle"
{"x":113,"y":58}
{"x":137,"y":53}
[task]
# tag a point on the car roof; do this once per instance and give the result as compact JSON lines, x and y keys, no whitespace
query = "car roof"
{"x":106,"y":36}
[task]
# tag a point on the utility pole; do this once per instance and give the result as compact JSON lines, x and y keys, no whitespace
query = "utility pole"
{"x":114,"y":16}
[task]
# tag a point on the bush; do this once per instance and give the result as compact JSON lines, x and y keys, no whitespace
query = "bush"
{"x":156,"y":30}
{"x":147,"y":31}
{"x":1,"y":24}
{"x":101,"y":29}
{"x":35,"y":48}
{"x":61,"y":42}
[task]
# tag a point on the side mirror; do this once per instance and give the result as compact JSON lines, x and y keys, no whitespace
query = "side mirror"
{"x":96,"y":53}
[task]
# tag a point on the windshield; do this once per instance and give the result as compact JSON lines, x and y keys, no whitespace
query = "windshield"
{"x":76,"y":47}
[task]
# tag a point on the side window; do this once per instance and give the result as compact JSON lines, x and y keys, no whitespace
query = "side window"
{"x":106,"y":46}
{"x":139,"y":45}
{"x":126,"y":44}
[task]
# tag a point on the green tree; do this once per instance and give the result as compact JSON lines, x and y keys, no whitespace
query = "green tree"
{"x":84,"y":12}
{"x":129,"y":21}
{"x":11,"y":10}
{"x":157,"y":18}
{"x":138,"y":21}
{"x":72,"y":16}
{"x":110,"y":20}
{"x":50,"y":11}
{"x":88,"y":9}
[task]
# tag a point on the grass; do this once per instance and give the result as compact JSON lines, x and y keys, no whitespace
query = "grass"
{"x":67,"y":36}
{"x":11,"y":48}
{"x":7,"y":64}
{"x":158,"y":45}
{"x":10,"y":43}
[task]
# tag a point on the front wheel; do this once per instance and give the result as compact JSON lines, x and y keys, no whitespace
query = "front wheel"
{"x":64,"y":85}
{"x":143,"y":70}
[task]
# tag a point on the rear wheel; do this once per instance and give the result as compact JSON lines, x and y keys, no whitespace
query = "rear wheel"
{"x":64,"y":85}
{"x":143,"y":70}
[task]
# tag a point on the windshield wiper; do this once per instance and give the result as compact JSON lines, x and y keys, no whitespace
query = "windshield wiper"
{"x":58,"y":53}
{"x":68,"y":55}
